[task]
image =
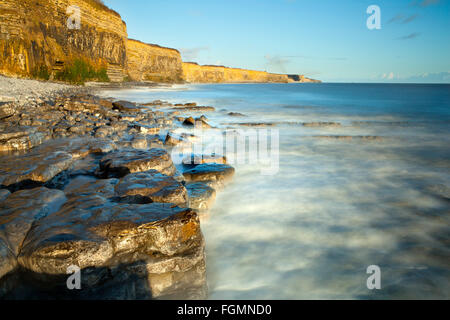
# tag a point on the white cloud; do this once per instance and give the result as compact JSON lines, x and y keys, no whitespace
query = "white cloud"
{"x":190,"y":54}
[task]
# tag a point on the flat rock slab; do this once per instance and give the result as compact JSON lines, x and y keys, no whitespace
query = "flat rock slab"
{"x":195,"y":108}
{"x":4,"y":194}
{"x":43,"y":163}
{"x":20,"y":138}
{"x":34,"y":168}
{"x":126,"y":106}
{"x":85,"y":186}
{"x":22,"y":209}
{"x":218,"y":174}
{"x":201,"y":196}
{"x":112,"y":243}
{"x":118,"y":164}
{"x":152,"y":186}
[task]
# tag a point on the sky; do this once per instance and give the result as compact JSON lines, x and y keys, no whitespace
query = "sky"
{"x":323,"y":39}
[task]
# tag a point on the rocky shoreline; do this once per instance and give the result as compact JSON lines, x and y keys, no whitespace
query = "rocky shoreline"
{"x":90,"y":182}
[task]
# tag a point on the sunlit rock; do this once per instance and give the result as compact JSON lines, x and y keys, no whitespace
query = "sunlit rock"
{"x":201,"y":196}
{"x":217,"y":174}
{"x":154,"y":186}
{"x":22,"y":209}
{"x":122,"y":162}
{"x":156,"y":248}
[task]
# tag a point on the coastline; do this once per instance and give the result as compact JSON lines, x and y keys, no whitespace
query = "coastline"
{"x":98,"y":162}
{"x":65,"y":153}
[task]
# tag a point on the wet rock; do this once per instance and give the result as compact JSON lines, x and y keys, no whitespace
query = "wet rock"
{"x":7,"y":110}
{"x":82,"y":167}
{"x":104,"y":131}
{"x":130,"y":118}
{"x":77,"y":147}
{"x":47,"y":161}
{"x":195,"y":108}
{"x":119,"y":126}
{"x":154,"y":186}
{"x":351,"y":138}
{"x":321,"y":124}
{"x":196,"y":159}
{"x":117,"y":164}
{"x":139,"y":142}
{"x":4,"y":194}
{"x":201,"y":196}
{"x":105,"y":103}
{"x":32,"y":169}
{"x":218,"y":174}
{"x":79,"y":129}
{"x":100,"y":146}
{"x":125,"y":106}
{"x":189,"y":121}
{"x":158,"y":244}
{"x":20,"y":138}
{"x":199,"y":123}
{"x":22,"y":209}
{"x":156,"y":103}
{"x":146,"y":129}
{"x":235,"y":114}
{"x":172,"y":139}
{"x":86,"y":186}
{"x":8,"y":260}
{"x":189,"y":137}
{"x":15,"y":132}
{"x":252,"y":124}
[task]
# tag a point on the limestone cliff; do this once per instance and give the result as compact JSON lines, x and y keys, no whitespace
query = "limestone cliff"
{"x":301,"y":78}
{"x":194,"y":73}
{"x":149,"y":62}
{"x":34,"y":35}
{"x":35,"y":41}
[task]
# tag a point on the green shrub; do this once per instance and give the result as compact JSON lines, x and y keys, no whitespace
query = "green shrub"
{"x":80,"y":71}
{"x":41,"y":72}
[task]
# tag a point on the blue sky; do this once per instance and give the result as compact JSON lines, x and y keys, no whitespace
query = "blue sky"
{"x":323,"y":39}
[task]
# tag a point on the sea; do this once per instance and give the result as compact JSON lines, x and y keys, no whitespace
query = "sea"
{"x":358,"y":206}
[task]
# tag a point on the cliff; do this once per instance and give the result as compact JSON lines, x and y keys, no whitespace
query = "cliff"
{"x":34,"y":36}
{"x":149,"y":62}
{"x":36,"y":42}
{"x":301,"y":78}
{"x":194,"y":73}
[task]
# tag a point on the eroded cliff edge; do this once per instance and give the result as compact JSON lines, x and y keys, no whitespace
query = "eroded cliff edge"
{"x":193,"y":72}
{"x":36,"y":42}
{"x":150,"y":62}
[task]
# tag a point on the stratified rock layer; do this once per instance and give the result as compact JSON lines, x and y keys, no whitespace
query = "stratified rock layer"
{"x":35,"y":35}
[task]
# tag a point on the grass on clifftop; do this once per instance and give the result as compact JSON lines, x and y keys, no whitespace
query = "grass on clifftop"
{"x":80,"y":71}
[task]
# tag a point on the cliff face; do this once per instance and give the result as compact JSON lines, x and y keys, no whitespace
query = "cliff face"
{"x":35,"y":41}
{"x":148,"y":62}
{"x":195,"y":73}
{"x":301,"y":78}
{"x":34,"y":33}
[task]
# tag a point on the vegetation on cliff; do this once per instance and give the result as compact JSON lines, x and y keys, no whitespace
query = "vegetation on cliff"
{"x":80,"y":71}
